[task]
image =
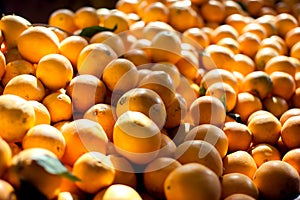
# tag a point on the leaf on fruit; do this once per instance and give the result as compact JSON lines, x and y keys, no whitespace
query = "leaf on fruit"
{"x":223,"y":100}
{"x":235,"y":116}
{"x":90,"y":31}
{"x":202,"y":90}
{"x":54,"y":166}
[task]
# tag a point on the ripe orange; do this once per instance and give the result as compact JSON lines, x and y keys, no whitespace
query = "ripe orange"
{"x":136,"y":137}
{"x":42,"y":115}
{"x":237,"y":20}
{"x":224,"y":31}
{"x":54,"y":65}
{"x":249,"y":43}
{"x":155,"y":174}
{"x":295,"y":50}
{"x":145,"y":101}
{"x":255,"y":28}
{"x":83,"y":86}
{"x":289,"y":132}
{"x":265,"y":128}
{"x":116,"y":18}
{"x":208,"y":110}
{"x":64,"y":19}
{"x":230,"y":43}
{"x":81,"y":136}
{"x":95,"y":170}
{"x":277,"y":180}
{"x":263,"y":55}
{"x":238,"y":135}
{"x":293,"y":158}
{"x":6,"y":156}
{"x":200,"y":151}
{"x":36,"y":42}
{"x":280,"y":63}
{"x":195,"y":36}
{"x":26,"y":86}
{"x":85,"y":17}
{"x":238,"y":183}
{"x":213,"y":11}
{"x":232,"y":7}
{"x":247,"y":104}
{"x":71,"y":47}
{"x":156,"y":11}
{"x":192,"y":180}
{"x":212,"y":134}
{"x":276,"y":105}
{"x":137,"y":56}
{"x":103,"y":114}
{"x":289,"y":113}
{"x":264,"y":152}
{"x":167,"y":147}
{"x":240,"y":162}
{"x":238,"y":196}
{"x":284,"y":22}
{"x":117,"y":191}
{"x":16,"y":117}
{"x":7,"y":191}
{"x":243,"y":64}
{"x":59,"y":106}
{"x":295,"y":98}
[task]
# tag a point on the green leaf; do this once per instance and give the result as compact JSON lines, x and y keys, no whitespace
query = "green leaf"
{"x":202,"y":90}
{"x":223,"y":100}
{"x":92,"y":30}
{"x":54,"y":166}
{"x":235,"y":116}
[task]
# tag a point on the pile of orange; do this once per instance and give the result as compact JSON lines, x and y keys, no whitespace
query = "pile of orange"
{"x":155,"y":99}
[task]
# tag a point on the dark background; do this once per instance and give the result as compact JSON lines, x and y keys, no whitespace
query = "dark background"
{"x":38,"y":11}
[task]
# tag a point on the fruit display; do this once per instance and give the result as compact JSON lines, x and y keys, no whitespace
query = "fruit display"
{"x":152,"y":100}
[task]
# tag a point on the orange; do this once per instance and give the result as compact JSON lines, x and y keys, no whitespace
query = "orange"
{"x":289,"y":113}
{"x":249,"y":43}
{"x":137,"y":56}
{"x":297,"y":79}
{"x":283,"y":84}
{"x":292,"y":37}
{"x":284,"y":22}
{"x":141,"y":134}
{"x":280,"y":63}
{"x":47,"y":137}
{"x":64,"y":19}
{"x":282,"y":7}
{"x":26,"y":86}
{"x":208,"y":110}
{"x":176,"y":111}
{"x":36,"y":42}
{"x":145,"y":101}
{"x":7,"y":191}
{"x":87,"y":62}
{"x":295,"y":98}
{"x":117,"y":191}
{"x":277,"y":180}
{"x":238,"y":196}
{"x":81,"y":136}
{"x":237,"y":20}
{"x":221,"y":56}
{"x":289,"y":132}
{"x":243,"y":64}
{"x":187,"y":64}
{"x":272,"y":43}
{"x":180,"y":10}
{"x":247,"y":104}
{"x":224,"y":92}
{"x":293,"y":158}
{"x":25,"y":163}
{"x":263,"y":55}
{"x":238,"y":183}
{"x":255,"y":28}
{"x":149,"y":30}
{"x":54,"y":65}
{"x":192,"y":180}
{"x":83,"y":86}
{"x":156,"y":11}
{"x":170,"y":68}
{"x":42,"y":115}
{"x":239,"y":162}
{"x":257,"y":83}
{"x":232,"y":7}
{"x":11,"y":28}
{"x":265,"y":10}
{"x":268,"y":22}
{"x":6,"y":156}
{"x":238,"y":135}
{"x":127,"y":6}
{"x":259,"y":113}
{"x":103,"y":114}
{"x":253,"y":7}
{"x":195,"y":36}
{"x":59,"y":106}
{"x":15,"y":68}
{"x":95,"y":170}
{"x":229,"y":43}
{"x":16,"y":117}
{"x":120,"y":75}
{"x":276,"y":105}
{"x":212,"y":134}
{"x":284,"y":49}
{"x":86,"y":17}
{"x":295,"y":50}
{"x":155,"y":174}
{"x":59,"y":33}
{"x":202,"y":152}
{"x":161,"y":83}
{"x":264,"y":152}
{"x":224,"y":31}
{"x":265,"y":129}
{"x":167,"y":147}
{"x":117,"y":18}
{"x":124,"y":171}
{"x":12,"y":54}
{"x":2,"y":64}
{"x":213,"y":11}
{"x":71,"y":48}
